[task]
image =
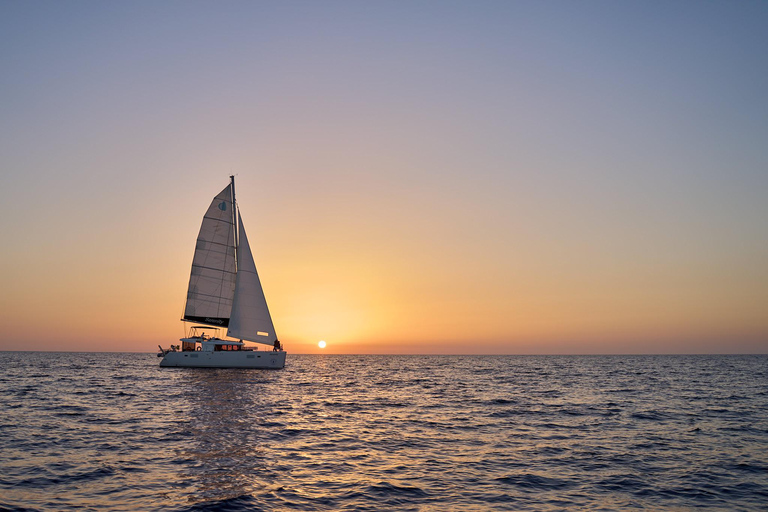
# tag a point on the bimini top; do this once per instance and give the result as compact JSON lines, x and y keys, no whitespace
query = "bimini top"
{"x":205,"y":327}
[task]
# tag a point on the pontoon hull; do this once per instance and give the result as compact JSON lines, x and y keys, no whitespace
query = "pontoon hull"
{"x":224,"y":359}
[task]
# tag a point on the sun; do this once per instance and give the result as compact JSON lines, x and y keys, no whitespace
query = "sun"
{"x":321,"y":344}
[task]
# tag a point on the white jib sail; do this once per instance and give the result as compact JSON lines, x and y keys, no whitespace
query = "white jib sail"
{"x":250,"y":315}
{"x":212,"y":280}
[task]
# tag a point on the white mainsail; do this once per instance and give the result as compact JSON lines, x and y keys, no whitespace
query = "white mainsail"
{"x":212,"y":280}
{"x":250,"y":318}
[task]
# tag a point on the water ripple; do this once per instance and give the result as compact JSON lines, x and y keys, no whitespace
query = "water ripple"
{"x":428,"y":433}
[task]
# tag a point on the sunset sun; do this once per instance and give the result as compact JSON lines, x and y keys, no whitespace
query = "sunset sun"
{"x":321,"y":344}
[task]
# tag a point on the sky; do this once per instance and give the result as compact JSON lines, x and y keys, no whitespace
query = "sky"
{"x":421,"y":177}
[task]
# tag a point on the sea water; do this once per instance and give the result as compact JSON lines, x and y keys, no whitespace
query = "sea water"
{"x":100,"y":431}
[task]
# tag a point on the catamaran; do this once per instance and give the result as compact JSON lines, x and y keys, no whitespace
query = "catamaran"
{"x":225,"y":293}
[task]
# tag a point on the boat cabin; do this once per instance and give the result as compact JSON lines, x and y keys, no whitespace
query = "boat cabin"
{"x":217,"y":345}
{"x":209,"y":341}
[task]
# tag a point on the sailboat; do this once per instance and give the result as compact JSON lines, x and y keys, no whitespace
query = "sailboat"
{"x":225,"y":293}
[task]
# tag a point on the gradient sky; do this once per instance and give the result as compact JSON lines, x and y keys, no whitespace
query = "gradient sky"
{"x":415,"y":177}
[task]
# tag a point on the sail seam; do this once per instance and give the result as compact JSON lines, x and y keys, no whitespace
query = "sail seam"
{"x":214,"y":268}
{"x":202,"y":296}
{"x":213,"y":243}
{"x":227,"y":221}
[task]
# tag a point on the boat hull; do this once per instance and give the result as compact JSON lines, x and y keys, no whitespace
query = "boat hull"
{"x":224,"y":359}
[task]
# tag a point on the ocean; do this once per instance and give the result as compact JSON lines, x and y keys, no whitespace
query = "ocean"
{"x":106,"y":431}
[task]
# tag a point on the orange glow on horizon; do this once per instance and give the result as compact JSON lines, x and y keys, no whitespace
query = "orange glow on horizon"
{"x":374,"y":300}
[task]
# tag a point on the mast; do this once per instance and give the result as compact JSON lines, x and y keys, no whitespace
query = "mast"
{"x":234,"y":223}
{"x":234,"y":215}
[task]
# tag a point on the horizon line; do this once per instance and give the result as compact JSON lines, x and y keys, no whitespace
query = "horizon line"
{"x":421,"y":355}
